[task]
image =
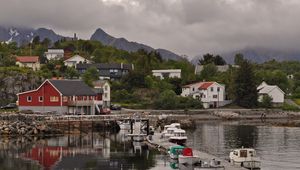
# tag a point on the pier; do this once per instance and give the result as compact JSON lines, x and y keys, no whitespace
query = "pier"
{"x":163,"y":145}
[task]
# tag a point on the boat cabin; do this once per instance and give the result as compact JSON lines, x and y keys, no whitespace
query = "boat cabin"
{"x":175,"y":151}
{"x":244,"y":152}
{"x":179,"y":133}
{"x":176,"y":125}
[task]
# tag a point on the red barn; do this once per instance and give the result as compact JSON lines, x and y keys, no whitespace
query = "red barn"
{"x":61,"y":96}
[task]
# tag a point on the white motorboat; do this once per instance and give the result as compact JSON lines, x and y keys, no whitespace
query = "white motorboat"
{"x":178,"y":137}
{"x":170,"y":132}
{"x":245,"y":157}
{"x":173,"y":125}
{"x":176,"y":125}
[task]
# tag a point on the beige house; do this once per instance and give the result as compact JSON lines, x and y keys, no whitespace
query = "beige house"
{"x":28,"y":61}
{"x":102,"y":86}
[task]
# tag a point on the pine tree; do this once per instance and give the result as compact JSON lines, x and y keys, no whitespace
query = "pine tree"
{"x":245,"y":86}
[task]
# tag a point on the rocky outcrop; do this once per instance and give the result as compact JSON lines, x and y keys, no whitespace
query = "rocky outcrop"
{"x":228,"y":115}
{"x":14,"y":80}
{"x":19,"y":128}
{"x":185,"y":123}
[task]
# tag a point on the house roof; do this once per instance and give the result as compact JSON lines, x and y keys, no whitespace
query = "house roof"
{"x":205,"y":85}
{"x":264,"y":88}
{"x":71,"y":58}
{"x":105,"y":66}
{"x":55,"y":51}
{"x":189,"y":85}
{"x":99,"y":83}
{"x":72,"y":87}
{"x":27,"y":59}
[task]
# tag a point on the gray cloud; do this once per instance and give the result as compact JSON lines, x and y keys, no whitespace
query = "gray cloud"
{"x":184,"y":26}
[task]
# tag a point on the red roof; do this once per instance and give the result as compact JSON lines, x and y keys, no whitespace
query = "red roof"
{"x":205,"y":85}
{"x":28,"y":59}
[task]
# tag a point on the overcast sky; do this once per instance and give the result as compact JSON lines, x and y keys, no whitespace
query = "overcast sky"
{"x":189,"y":27}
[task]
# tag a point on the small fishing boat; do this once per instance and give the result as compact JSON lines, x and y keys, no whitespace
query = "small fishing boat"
{"x":245,"y":157}
{"x":188,"y":158}
{"x":178,"y":137}
{"x":175,"y":151}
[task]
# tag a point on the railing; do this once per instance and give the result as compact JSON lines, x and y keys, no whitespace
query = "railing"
{"x":83,"y":102}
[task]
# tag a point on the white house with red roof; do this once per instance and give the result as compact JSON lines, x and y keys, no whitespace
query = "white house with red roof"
{"x":211,"y":94}
{"x":28,"y":61}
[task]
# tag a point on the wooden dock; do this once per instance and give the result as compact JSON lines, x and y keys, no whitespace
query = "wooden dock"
{"x":163,"y":145}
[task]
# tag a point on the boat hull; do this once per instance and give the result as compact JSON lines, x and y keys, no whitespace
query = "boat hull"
{"x":247,"y":164}
{"x":189,"y":160}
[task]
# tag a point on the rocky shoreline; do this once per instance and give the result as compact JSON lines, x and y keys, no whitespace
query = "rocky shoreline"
{"x":21,"y":128}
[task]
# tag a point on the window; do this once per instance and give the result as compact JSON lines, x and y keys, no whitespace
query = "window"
{"x":29,"y":98}
{"x":215,"y":96}
{"x":193,"y":89}
{"x":105,"y":88}
{"x":105,"y":95}
{"x":65,"y":98}
{"x":218,"y":89}
{"x":211,"y":89}
{"x":41,"y":98}
{"x":53,"y":99}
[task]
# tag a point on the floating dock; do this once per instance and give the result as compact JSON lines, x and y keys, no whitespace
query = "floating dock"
{"x":163,"y":145}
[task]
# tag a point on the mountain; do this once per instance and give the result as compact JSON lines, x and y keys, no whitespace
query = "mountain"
{"x":25,"y":35}
{"x":123,"y":44}
{"x":258,"y":55}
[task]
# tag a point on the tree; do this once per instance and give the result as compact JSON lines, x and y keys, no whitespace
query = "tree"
{"x":71,"y":73}
{"x":208,"y":72}
{"x":211,"y":59}
{"x":266,"y":101}
{"x":90,"y":75}
{"x":167,"y":100}
{"x":219,"y":61}
{"x":46,"y":42}
{"x":245,"y":86}
{"x":238,"y":59}
{"x":36,"y":40}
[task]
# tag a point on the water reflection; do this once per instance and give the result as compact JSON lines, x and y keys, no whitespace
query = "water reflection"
{"x":278,"y":147}
{"x":90,"y":151}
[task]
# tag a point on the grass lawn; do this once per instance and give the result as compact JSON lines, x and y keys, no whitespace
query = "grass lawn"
{"x":297,"y":101}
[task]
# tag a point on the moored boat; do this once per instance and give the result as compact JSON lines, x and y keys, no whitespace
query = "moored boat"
{"x":175,"y":151}
{"x":178,"y":137}
{"x":188,"y":158}
{"x":245,"y":157}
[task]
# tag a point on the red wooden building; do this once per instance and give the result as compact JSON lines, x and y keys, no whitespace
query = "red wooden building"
{"x":61,"y":96}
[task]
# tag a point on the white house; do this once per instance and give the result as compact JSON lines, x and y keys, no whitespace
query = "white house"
{"x":169,"y":73}
{"x":54,"y":54}
{"x":28,"y":61}
{"x":104,"y":87}
{"x":273,"y":91}
{"x":211,"y":94}
{"x":76,"y":59}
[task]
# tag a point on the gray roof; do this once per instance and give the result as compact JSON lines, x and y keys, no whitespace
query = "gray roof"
{"x":73,"y":87}
{"x":105,"y":66}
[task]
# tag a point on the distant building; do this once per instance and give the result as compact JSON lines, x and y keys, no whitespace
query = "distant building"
{"x":222,"y":68}
{"x":103,"y":87}
{"x":76,"y":59}
{"x":273,"y":91}
{"x":61,"y":96}
{"x":168,"y":73}
{"x":28,"y":61}
{"x":211,"y":94}
{"x":54,"y":54}
{"x":113,"y":71}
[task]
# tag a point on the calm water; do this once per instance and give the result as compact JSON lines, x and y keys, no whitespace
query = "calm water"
{"x":279,"y":148}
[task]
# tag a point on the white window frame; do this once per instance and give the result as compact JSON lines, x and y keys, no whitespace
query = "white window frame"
{"x":41,"y":98}
{"x":28,"y":98}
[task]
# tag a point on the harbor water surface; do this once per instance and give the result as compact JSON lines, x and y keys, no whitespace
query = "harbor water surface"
{"x":278,"y":147}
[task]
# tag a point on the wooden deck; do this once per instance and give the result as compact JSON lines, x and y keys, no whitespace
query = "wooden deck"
{"x":163,"y":145}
